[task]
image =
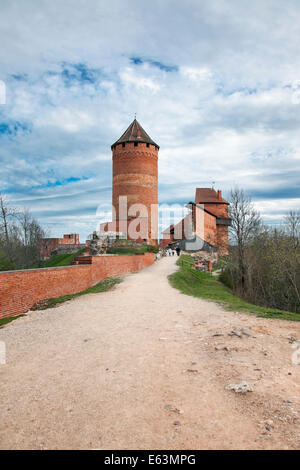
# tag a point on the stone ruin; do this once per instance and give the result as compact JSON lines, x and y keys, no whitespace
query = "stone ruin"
{"x":99,"y":242}
{"x":204,"y":261}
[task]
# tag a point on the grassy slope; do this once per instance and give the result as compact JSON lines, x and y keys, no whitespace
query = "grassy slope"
{"x":204,"y":285}
{"x":127,"y":250}
{"x":4,"y":321}
{"x":54,"y":261}
{"x":61,"y":260}
{"x":67,"y":259}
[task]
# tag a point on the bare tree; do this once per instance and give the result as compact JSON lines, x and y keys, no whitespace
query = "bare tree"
{"x":245,"y":223}
{"x":292,"y":224}
{"x":7,"y":212}
{"x":291,"y":255}
{"x":30,"y":234}
{"x":264,"y":262}
{"x":20,"y":235}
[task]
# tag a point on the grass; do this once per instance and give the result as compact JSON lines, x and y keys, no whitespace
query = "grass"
{"x":202,"y":284}
{"x":4,"y":321}
{"x":67,"y":258}
{"x":130,"y":250}
{"x":102,"y":286}
{"x":56,"y":260}
{"x":221,"y":262}
{"x":127,"y":250}
{"x":61,"y":260}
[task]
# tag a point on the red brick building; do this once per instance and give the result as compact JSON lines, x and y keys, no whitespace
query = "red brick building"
{"x":135,"y":157}
{"x":207,"y":221}
{"x":50,"y":245}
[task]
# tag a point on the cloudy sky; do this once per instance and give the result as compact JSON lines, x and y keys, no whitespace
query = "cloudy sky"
{"x":216,"y":83}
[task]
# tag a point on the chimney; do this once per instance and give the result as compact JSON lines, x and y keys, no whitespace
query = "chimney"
{"x":219,"y":195}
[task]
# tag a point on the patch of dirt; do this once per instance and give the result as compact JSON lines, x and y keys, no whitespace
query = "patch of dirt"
{"x":114,"y":370}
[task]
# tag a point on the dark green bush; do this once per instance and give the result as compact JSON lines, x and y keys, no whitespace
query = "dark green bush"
{"x":153,"y":249}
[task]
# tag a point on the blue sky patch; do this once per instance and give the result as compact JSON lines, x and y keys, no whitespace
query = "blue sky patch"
{"x":79,"y":73}
{"x":13,"y":128}
{"x":63,"y":182}
{"x":154,"y":63}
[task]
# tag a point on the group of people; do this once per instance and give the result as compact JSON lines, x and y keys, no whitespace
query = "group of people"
{"x":171,"y":251}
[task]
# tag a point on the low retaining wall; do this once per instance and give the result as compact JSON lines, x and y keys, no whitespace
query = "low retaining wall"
{"x":20,"y":290}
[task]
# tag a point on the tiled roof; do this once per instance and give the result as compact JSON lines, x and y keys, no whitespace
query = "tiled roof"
{"x":206,"y":195}
{"x":135,"y":133}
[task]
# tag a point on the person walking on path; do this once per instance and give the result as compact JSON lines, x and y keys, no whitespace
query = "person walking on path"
{"x":178,"y":250}
{"x":170,"y":251}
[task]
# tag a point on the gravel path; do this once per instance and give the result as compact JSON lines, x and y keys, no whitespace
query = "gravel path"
{"x":138,"y":367}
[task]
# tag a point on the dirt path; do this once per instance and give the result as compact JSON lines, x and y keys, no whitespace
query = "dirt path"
{"x":101,"y":372}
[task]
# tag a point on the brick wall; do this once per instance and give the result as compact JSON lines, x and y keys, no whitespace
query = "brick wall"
{"x":20,"y":290}
{"x":222,"y":236}
{"x":210,"y":229}
{"x":220,"y":210}
{"x":135,"y":176}
{"x":47,"y":245}
{"x":204,"y":226}
{"x":72,"y":238}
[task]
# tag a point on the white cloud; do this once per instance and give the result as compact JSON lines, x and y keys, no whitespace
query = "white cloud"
{"x":196,"y":73}
{"x":139,"y":81}
{"x":215,"y":83}
{"x":70,"y":120}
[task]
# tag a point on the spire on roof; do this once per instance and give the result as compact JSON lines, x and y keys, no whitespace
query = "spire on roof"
{"x":135,"y":133}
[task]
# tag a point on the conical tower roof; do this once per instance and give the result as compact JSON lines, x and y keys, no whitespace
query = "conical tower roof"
{"x":135,"y":133}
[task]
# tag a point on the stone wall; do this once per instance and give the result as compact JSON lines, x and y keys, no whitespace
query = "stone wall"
{"x":205,"y":256}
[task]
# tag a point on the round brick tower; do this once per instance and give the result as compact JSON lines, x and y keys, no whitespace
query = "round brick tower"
{"x":135,"y":157}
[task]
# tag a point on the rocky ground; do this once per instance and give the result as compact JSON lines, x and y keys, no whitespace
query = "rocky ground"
{"x":146,"y":367}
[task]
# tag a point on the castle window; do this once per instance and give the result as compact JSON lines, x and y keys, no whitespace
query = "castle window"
{"x":135,"y":144}
{"x":123,"y":145}
{"x":147,"y":145}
